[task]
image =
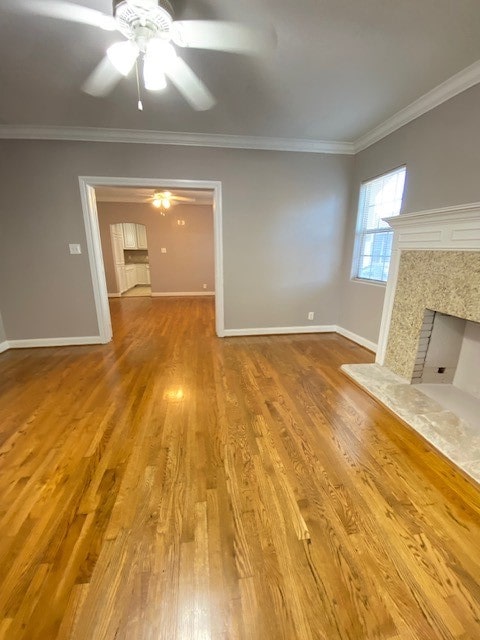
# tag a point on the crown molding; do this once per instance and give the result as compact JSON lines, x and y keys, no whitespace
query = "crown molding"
{"x":458,"y":83}
{"x":137,"y":136}
{"x":461,"y":81}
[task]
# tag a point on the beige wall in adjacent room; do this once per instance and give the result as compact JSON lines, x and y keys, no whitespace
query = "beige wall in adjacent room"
{"x":284,"y":219}
{"x":189,"y":261}
{"x":442,"y":153}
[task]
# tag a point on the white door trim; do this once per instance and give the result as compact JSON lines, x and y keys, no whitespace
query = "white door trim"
{"x":94,"y":248}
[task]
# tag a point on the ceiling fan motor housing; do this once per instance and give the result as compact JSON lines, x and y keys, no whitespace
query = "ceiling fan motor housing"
{"x":155,"y":15}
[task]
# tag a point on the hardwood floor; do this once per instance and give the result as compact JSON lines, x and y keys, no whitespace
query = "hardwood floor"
{"x":175,"y":486}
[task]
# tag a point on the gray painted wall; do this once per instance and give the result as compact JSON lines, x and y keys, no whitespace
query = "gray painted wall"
{"x":442,"y":152}
{"x":288,"y":227}
{"x":189,"y":261}
{"x":283,"y":230}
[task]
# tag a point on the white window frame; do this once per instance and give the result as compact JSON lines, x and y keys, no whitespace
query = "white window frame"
{"x":361,"y":231}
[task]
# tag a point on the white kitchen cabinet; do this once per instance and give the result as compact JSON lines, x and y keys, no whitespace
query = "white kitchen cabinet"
{"x":142,"y":273}
{"x":121,"y":278}
{"x":141,"y":236}
{"x":129,"y":235}
{"x":130,"y":275}
{"x":116,"y":233}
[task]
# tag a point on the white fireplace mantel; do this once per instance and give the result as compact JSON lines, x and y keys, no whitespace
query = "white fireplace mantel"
{"x":449,"y":229}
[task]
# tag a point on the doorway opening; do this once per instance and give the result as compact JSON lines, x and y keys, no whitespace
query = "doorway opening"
{"x":125,"y":256}
{"x":128,"y":238}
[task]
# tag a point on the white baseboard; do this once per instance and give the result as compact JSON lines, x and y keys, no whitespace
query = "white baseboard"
{"x":328,"y":328}
{"x":53,"y":342}
{"x":259,"y":331}
{"x":271,"y":331}
{"x":363,"y":342}
{"x":177,"y":294}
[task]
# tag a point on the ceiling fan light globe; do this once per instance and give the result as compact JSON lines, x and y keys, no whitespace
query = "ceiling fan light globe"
{"x":162,"y":52}
{"x":123,"y":55}
{"x":153,"y":75}
{"x":166,"y":203}
{"x":157,"y":204}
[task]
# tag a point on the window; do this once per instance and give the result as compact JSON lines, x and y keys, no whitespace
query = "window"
{"x":379,"y":198}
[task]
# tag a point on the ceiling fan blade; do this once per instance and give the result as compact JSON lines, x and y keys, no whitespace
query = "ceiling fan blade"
{"x":190,"y":86}
{"x":182,"y":199}
{"x":222,"y":36}
{"x":102,"y":80}
{"x":69,"y":11}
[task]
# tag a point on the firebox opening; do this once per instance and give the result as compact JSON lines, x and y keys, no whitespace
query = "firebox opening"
{"x":447,"y":365}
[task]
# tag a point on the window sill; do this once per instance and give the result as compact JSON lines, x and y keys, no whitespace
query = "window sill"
{"x":375,"y":283}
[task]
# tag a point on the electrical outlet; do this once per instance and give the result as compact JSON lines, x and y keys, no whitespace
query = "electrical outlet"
{"x":204,"y":286}
{"x":163,"y":250}
{"x":75,"y":249}
{"x":310,"y":315}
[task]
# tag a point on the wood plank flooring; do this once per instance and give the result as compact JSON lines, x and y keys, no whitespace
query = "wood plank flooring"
{"x":175,"y":486}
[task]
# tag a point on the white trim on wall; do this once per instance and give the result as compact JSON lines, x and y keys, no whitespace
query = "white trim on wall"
{"x":176,"y":294}
{"x":354,"y":337}
{"x":461,"y":81}
{"x":54,"y":342}
{"x":456,"y":84}
{"x":327,"y":328}
{"x":454,"y":228}
{"x":95,"y":258}
{"x":271,"y":331}
{"x":263,"y":331}
{"x":90,"y":214}
{"x":141,"y":136}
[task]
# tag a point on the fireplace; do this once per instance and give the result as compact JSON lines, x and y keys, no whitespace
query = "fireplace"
{"x":447,"y":282}
{"x":427,"y":367}
{"x":448,"y":352}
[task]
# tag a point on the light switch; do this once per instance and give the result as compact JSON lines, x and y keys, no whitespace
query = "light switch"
{"x":75,"y":249}
{"x":163,"y":250}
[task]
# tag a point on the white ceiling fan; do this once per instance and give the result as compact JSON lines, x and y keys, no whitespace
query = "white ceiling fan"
{"x":152,"y":35}
{"x":165,"y":199}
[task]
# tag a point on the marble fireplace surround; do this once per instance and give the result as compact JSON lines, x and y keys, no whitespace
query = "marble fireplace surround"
{"x":445,"y":281}
{"x":436,"y":265}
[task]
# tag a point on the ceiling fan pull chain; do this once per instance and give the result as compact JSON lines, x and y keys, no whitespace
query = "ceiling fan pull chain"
{"x":139,"y":103}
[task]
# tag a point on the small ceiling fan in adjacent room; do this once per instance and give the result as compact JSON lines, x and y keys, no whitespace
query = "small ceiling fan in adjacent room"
{"x":163,"y":200}
{"x":152,"y":37}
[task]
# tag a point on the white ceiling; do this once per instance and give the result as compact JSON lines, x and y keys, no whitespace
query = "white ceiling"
{"x":341,"y":67}
{"x":144,"y":194}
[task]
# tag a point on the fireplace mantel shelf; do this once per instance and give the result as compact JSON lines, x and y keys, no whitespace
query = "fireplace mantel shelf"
{"x":437,"y":217}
